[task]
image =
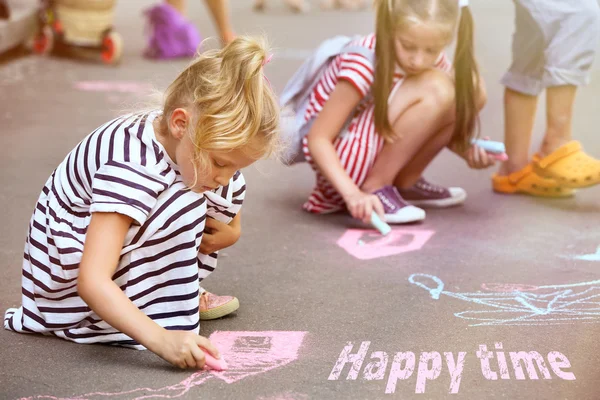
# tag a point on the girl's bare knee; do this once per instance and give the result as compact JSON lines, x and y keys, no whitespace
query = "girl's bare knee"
{"x":438,"y":88}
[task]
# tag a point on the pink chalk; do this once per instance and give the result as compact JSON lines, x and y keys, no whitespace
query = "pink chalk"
{"x":213,"y":363}
{"x":499,"y":157}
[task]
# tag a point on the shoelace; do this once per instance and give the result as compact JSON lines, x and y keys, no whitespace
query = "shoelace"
{"x":429,"y":187}
{"x":385,"y":200}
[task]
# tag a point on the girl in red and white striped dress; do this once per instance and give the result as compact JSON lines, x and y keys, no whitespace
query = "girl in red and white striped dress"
{"x":402,"y":112}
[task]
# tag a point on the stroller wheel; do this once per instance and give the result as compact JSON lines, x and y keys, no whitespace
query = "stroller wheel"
{"x":43,"y":41}
{"x":112,"y":48}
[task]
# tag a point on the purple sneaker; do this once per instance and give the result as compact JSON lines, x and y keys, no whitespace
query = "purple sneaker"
{"x":425,"y":194}
{"x":397,"y":210}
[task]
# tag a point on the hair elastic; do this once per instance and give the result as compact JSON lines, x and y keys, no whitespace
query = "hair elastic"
{"x":267,"y":59}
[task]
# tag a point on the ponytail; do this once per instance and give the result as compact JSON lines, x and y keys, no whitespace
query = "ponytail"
{"x":384,"y":65}
{"x":231,"y":99}
{"x":466,"y":83}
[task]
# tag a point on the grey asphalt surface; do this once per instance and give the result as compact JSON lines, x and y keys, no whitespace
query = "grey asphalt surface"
{"x":288,"y":271}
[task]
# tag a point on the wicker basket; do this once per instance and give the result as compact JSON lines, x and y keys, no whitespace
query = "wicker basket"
{"x":85,"y":26}
{"x":96,"y":5}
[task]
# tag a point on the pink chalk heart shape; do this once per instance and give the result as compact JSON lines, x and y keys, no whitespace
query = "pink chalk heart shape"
{"x":368,"y":247}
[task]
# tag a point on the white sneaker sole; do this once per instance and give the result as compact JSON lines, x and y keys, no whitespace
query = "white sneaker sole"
{"x":457,"y":197}
{"x":221,"y":311}
{"x":405,"y":215}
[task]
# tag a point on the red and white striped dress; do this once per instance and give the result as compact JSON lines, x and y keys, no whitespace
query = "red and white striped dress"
{"x":359,"y":145}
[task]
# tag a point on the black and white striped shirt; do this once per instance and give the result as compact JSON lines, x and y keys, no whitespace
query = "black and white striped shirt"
{"x":120,"y":167}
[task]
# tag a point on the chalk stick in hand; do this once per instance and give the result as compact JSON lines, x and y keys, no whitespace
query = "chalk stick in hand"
{"x":490,"y":146}
{"x":379,"y":224}
{"x":213,"y":363}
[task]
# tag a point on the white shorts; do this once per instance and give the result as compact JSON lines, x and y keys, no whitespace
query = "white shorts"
{"x":554,"y":44}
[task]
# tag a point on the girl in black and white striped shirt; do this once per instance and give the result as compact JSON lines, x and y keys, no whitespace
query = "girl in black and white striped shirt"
{"x":112,"y":253}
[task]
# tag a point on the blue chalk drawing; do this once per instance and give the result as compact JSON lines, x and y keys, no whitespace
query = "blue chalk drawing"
{"x":589,"y":257}
{"x":523,"y":304}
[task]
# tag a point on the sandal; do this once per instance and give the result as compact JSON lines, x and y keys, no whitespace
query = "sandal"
{"x":570,"y":166}
{"x":526,"y":181}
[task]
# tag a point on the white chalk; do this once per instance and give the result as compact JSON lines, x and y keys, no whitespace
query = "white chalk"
{"x":490,"y":146}
{"x":379,"y":224}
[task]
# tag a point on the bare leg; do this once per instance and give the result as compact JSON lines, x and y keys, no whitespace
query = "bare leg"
{"x":410,"y":174}
{"x":559,"y":114}
{"x":428,"y":94}
{"x":220,"y":13}
{"x":179,"y":5}
{"x":519,"y":117}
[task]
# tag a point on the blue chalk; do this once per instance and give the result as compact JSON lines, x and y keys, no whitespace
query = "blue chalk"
{"x":490,"y":146}
{"x":379,"y":224}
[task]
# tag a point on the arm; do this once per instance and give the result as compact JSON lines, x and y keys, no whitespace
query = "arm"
{"x":342,"y":101}
{"x":101,"y":252}
{"x":219,"y":9}
{"x":218,"y":235}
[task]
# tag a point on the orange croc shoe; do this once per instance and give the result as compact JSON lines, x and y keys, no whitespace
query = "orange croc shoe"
{"x":526,"y":181}
{"x":569,"y":166}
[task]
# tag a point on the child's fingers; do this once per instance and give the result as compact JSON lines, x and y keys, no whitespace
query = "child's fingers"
{"x":378,"y":207}
{"x":359,"y":211}
{"x":207,"y":243}
{"x":199,"y":358}
{"x":207,"y":345}
{"x":483,"y":158}
{"x":206,"y":249}
{"x":189,"y":360}
{"x":475,"y":153}
{"x":366,"y":218}
{"x":352,"y":210}
{"x":213,"y":223}
{"x":487,"y":160}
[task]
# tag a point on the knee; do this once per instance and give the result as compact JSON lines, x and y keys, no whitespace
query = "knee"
{"x":438,"y":89}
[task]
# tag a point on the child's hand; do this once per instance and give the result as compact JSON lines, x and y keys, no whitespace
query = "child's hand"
{"x":361,"y":205}
{"x":184,"y":349}
{"x":218,"y":235}
{"x":477,"y":158}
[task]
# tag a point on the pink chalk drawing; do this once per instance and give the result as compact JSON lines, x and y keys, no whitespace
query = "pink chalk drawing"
{"x":113,"y":86}
{"x":247,"y":353}
{"x":286,"y":396}
{"x":367,"y":245}
{"x":251,"y":353}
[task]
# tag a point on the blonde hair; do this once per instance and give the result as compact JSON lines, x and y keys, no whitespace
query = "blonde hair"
{"x":395,"y":15}
{"x":232,"y":103}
